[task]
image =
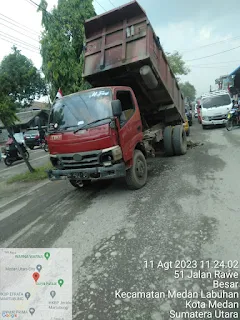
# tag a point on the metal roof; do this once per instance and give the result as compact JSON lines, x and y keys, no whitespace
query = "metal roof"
{"x":235,"y":71}
{"x":25,"y":117}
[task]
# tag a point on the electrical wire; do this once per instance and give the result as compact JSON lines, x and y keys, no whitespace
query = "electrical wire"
{"x":217,"y":67}
{"x":210,"y":64}
{"x":19,"y":32}
{"x":15,"y":23}
{"x":100,"y":5}
{"x":213,"y":54}
{"x":211,"y":44}
{"x":112,"y":3}
{"x":17,"y":40}
{"x":19,"y":45}
{"x":30,"y":2}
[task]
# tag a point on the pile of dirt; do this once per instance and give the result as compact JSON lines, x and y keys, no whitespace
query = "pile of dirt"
{"x":192,"y":144}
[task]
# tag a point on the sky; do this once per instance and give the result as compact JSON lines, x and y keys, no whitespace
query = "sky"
{"x":206,"y":28}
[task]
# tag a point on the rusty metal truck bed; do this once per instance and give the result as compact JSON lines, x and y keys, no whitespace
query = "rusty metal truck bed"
{"x":122,"y":49}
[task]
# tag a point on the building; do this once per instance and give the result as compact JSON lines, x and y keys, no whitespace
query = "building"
{"x":235,"y":88}
{"x":26,"y":119}
{"x":224,"y":82}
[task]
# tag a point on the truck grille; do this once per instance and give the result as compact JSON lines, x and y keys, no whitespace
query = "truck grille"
{"x":221,"y":117}
{"x":80,"y":160}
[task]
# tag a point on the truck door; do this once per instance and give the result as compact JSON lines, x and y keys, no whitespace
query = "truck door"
{"x":130,"y":123}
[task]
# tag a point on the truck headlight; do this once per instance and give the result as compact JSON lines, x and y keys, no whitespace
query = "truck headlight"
{"x":113,"y":153}
{"x":205,"y":118}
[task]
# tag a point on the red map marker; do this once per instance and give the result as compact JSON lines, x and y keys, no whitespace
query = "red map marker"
{"x":36,"y":276}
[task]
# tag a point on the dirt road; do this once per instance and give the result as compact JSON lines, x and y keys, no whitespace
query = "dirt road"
{"x":189,"y":210}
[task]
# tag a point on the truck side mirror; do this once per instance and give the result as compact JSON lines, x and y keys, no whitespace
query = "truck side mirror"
{"x":116,"y":108}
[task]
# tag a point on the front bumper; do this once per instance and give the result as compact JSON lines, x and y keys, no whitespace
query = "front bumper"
{"x":98,"y":173}
{"x":213,"y":122}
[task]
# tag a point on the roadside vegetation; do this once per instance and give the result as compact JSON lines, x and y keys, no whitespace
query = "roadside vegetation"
{"x":38,"y":174}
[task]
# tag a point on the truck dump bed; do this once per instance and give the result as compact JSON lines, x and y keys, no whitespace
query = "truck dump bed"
{"x":123,"y":50}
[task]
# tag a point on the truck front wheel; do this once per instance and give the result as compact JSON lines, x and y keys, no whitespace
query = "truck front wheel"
{"x":136,"y":176}
{"x":179,"y":140}
{"x":167,"y":140}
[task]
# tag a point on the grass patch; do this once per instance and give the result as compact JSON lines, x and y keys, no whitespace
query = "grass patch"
{"x":38,"y":174}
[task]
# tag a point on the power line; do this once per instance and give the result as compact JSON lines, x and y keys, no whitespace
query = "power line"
{"x":100,"y":5}
{"x":19,"y":32}
{"x":17,"y":40}
{"x":112,"y":3}
{"x":19,"y":45}
{"x":217,"y":67}
{"x":211,"y":44}
{"x":21,"y":26}
{"x":30,"y":3}
{"x":39,"y":6}
{"x":233,"y":61}
{"x":214,"y":54}
{"x":43,"y":9}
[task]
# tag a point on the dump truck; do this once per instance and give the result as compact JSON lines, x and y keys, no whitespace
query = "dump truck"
{"x":134,"y":107}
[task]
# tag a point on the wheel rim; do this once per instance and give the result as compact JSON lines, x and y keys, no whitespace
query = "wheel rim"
{"x":140,"y":169}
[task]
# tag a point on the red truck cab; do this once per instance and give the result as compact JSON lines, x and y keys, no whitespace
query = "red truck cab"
{"x":88,"y":141}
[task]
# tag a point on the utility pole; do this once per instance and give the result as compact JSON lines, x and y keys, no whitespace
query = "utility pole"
{"x":210,"y":88}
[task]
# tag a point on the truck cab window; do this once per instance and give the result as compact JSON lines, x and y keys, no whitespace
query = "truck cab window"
{"x":127,"y":106}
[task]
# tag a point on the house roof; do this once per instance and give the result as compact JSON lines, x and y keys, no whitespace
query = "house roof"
{"x":25,"y":117}
{"x":36,"y":105}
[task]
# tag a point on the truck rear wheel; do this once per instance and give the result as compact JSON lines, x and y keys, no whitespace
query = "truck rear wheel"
{"x":179,"y":140}
{"x":136,"y":176}
{"x":167,"y":140}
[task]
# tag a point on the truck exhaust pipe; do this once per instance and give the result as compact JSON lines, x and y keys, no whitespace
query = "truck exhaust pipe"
{"x":148,"y":77}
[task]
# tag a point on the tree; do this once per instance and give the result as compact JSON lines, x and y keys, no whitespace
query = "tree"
{"x":177,"y":64}
{"x":188,"y":90}
{"x":62,"y":44}
{"x":8,"y":118}
{"x":20,"y":79}
{"x":20,"y":83}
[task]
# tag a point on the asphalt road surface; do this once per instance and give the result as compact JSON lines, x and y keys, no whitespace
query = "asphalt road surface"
{"x":189,"y":210}
{"x":37,"y":157}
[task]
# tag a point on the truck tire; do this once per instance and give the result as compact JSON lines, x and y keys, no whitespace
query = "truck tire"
{"x":77,"y":183}
{"x":136,"y":176}
{"x":179,"y":140}
{"x":168,"y":142}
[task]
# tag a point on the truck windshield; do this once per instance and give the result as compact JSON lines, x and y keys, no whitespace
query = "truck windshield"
{"x":79,"y":109}
{"x":217,"y":101}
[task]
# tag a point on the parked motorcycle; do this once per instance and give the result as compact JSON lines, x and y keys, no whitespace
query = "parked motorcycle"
{"x":232,"y":119}
{"x":12,"y":155}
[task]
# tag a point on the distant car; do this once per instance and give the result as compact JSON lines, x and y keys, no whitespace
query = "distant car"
{"x":32,"y":138}
{"x":186,"y":126}
{"x":19,"y":137}
{"x":196,"y":111}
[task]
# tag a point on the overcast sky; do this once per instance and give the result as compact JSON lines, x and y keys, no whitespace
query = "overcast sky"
{"x":180,"y":26}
